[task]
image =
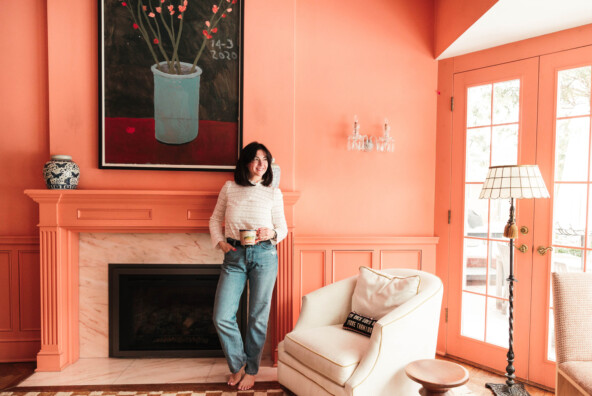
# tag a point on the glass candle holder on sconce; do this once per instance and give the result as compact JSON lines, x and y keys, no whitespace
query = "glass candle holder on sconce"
{"x":356,"y":141}
{"x":386,"y":143}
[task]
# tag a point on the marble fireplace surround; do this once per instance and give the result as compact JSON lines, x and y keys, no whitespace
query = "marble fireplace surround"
{"x":67,"y":217}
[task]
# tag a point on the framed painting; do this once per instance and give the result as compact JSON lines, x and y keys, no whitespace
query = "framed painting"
{"x":170,"y":84}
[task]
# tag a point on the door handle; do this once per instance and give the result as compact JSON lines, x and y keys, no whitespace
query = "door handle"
{"x":522,"y":248}
{"x":542,"y":250}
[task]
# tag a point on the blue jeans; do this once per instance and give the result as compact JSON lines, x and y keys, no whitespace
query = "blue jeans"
{"x":258,"y":265}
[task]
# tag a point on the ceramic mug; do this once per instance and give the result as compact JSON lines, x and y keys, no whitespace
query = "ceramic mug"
{"x":248,"y":237}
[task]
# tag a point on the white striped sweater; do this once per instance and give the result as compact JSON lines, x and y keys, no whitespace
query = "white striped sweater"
{"x":247,"y":208}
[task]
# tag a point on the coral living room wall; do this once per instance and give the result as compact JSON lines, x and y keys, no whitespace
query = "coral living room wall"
{"x":309,"y":67}
{"x":374,"y":62}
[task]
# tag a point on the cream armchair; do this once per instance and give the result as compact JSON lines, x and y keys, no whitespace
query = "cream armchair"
{"x":572,"y":310}
{"x":320,"y":358}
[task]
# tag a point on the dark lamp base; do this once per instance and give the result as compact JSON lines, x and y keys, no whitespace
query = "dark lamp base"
{"x":505,"y":390}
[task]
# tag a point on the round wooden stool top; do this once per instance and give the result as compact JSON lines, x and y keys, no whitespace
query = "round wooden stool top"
{"x":437,"y":376}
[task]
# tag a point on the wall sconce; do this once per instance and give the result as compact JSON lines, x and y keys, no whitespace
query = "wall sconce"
{"x":359,"y":142}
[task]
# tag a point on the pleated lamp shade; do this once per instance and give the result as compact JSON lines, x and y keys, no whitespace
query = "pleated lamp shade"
{"x":514,"y":181}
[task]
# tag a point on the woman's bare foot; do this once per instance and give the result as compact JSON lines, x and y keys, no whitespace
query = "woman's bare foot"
{"x":247,"y":382}
{"x":234,"y":379}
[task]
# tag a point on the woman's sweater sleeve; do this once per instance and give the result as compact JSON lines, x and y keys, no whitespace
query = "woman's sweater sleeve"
{"x":217,"y":218}
{"x":278,"y":217}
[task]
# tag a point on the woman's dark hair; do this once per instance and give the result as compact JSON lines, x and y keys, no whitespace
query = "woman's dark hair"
{"x":248,"y":154}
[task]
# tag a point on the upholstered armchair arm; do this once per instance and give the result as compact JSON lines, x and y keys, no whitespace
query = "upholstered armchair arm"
{"x":405,"y":334}
{"x":327,"y":306}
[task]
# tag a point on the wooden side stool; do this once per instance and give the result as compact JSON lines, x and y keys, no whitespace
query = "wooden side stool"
{"x":437,"y":377}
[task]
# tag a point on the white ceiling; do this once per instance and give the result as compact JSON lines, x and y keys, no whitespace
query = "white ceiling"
{"x":514,"y":20}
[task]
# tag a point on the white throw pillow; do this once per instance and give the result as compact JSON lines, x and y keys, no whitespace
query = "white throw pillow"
{"x":377,"y":293}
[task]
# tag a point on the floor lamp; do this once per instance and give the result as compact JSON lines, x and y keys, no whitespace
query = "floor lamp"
{"x":512,"y":182}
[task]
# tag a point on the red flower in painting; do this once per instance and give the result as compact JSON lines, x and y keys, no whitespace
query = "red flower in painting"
{"x":130,"y":129}
{"x":153,"y":29}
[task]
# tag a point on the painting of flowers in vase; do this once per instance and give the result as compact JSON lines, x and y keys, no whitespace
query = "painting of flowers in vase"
{"x":170,"y":84}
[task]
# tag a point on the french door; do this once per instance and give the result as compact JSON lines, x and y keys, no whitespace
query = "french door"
{"x":534,"y":111}
{"x":565,"y":221}
{"x":494,"y":123}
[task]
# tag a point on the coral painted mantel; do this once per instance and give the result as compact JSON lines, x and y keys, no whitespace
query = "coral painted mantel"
{"x":63,"y":214}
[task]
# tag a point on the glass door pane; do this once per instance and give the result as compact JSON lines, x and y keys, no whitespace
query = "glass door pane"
{"x":572,"y":217}
{"x":491,"y":139}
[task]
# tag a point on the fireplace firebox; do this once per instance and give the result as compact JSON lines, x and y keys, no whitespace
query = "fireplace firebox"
{"x":164,"y":310}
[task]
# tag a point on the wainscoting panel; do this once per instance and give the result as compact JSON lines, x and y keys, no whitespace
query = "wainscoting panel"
{"x":20,"y":319}
{"x":401,"y":259}
{"x":28,"y":285}
{"x":346,"y":263}
{"x":5,"y":292}
{"x":322,"y":260}
{"x":313,"y":265}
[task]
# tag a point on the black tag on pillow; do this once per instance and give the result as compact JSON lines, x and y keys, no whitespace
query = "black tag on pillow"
{"x":359,"y":323}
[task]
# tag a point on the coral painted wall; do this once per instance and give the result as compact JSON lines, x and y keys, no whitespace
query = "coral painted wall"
{"x":23,"y":114}
{"x":309,"y":67}
{"x":305,"y":76}
{"x":453,"y":18}
{"x":373,"y":62}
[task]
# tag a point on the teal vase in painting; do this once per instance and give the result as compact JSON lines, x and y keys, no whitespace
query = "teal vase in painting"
{"x":176,"y":104}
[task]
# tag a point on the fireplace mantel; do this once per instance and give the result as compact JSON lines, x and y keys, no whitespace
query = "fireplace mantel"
{"x":63,"y":214}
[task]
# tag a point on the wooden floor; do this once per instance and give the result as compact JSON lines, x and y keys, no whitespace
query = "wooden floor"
{"x":479,"y":377}
{"x":11,"y":374}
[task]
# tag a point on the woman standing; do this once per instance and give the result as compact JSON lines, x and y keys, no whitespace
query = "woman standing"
{"x":248,"y":202}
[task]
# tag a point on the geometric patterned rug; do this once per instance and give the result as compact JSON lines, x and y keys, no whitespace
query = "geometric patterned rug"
{"x":268,"y":388}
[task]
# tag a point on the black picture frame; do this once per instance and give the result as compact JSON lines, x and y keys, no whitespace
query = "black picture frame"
{"x":148,"y":119}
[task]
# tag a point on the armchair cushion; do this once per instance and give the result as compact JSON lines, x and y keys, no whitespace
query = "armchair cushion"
{"x":328,"y":350}
{"x":378,"y":293}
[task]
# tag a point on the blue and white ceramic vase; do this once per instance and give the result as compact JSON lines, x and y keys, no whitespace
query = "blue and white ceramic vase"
{"x":61,"y":173}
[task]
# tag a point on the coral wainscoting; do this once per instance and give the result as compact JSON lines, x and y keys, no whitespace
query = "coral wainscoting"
{"x":64,"y":214}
